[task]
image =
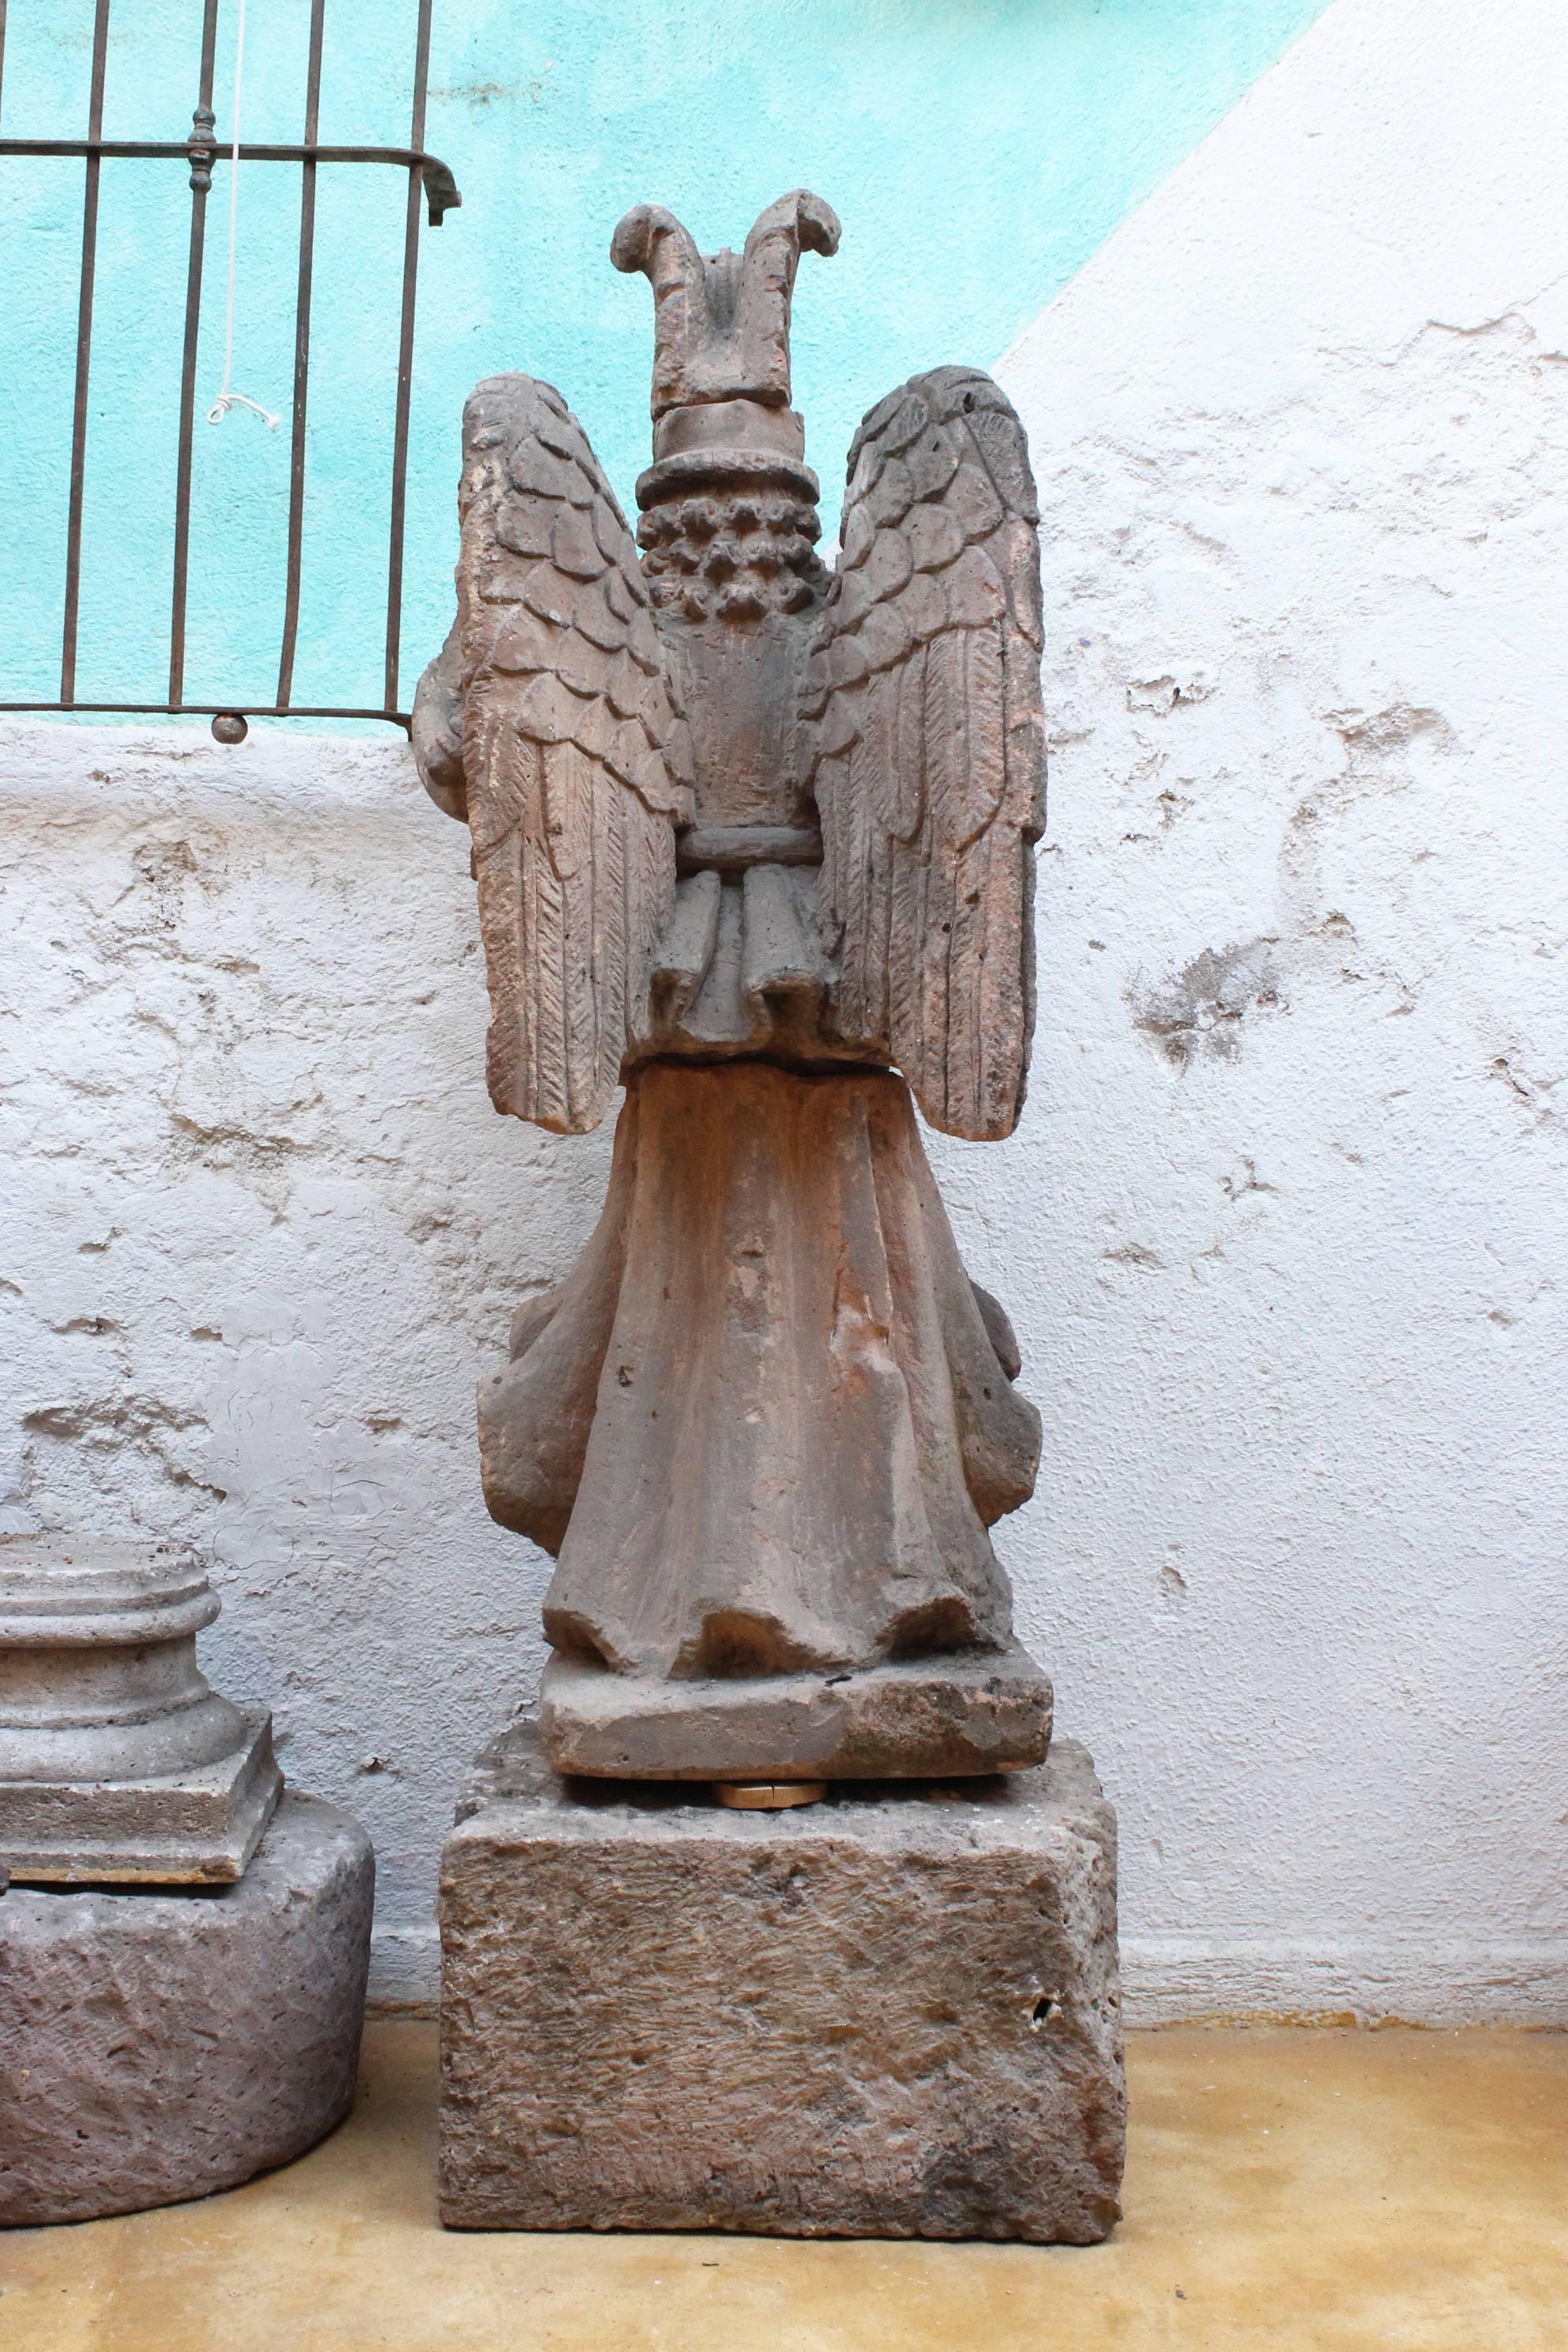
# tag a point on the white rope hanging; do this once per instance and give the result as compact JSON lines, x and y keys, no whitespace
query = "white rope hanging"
{"x":227,"y":398}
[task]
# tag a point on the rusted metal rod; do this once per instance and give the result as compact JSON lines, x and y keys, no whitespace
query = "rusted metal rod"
{"x":199,"y":154}
{"x":301,"y":358}
{"x":83,"y":357}
{"x":440,"y":188}
{"x":406,"y":367}
{"x":216,"y":710}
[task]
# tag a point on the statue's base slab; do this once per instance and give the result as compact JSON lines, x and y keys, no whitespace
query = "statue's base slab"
{"x":160,"y":2046}
{"x":199,"y":1826}
{"x":925,"y":1719}
{"x":892,"y":2014}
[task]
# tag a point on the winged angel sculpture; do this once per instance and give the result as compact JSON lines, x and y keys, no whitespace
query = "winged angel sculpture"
{"x":753,"y":841}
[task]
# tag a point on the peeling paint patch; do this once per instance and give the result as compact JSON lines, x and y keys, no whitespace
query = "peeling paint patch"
{"x":1238,"y":1188}
{"x":1133,"y":1253}
{"x":109,"y":1421}
{"x":1164,"y":693}
{"x":1197,"y":1012}
{"x":1373,"y":738}
{"x":1533,"y":1094}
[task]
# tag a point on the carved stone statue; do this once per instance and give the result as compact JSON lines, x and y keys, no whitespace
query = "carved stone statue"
{"x":753,"y":841}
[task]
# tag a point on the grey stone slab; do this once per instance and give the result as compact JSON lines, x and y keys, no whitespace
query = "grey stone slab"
{"x":195,"y":1827}
{"x":892,"y":2014}
{"x":159,"y":2046}
{"x":117,"y":1759}
{"x":942,"y":1715}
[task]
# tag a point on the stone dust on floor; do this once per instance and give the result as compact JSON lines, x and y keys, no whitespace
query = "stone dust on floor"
{"x":1286,"y":2187}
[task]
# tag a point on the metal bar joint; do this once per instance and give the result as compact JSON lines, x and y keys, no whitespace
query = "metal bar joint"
{"x":202,"y":148}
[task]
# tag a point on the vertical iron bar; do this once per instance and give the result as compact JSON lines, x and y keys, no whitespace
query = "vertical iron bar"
{"x":405,"y":366}
{"x":202,"y":127}
{"x":302,"y":358}
{"x":83,"y":358}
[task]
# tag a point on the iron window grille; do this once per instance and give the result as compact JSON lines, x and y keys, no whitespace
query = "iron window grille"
{"x":428,"y":178}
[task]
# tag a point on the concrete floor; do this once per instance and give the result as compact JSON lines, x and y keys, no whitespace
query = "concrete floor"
{"x":1286,"y":2187}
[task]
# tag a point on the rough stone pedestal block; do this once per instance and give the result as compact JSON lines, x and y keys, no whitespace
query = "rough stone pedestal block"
{"x":892,"y":2014}
{"x":158,"y":2046}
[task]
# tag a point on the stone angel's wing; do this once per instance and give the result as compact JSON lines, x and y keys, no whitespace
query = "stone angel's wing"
{"x":930,"y":756}
{"x":547,"y":721}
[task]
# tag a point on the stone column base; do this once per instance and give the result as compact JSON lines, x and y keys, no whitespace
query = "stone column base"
{"x":892,"y":2014}
{"x":159,"y":2046}
{"x":195,"y":1827}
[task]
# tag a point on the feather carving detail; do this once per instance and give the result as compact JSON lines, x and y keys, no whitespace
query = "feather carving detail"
{"x":928,"y":769}
{"x":549,"y":720}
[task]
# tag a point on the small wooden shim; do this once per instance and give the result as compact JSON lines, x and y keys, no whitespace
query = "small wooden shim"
{"x":768,"y":1796}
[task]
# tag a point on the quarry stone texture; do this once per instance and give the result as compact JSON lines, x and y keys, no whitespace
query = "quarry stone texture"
{"x":155,"y":2047}
{"x":893,"y":2014}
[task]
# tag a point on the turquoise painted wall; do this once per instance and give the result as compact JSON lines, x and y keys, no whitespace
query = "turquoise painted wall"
{"x":978,"y":152}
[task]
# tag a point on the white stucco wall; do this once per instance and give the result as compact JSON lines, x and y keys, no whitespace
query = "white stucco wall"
{"x":1291,"y":1216}
{"x":1283,"y":1230}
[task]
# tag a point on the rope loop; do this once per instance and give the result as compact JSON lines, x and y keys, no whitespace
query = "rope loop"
{"x":227,"y":398}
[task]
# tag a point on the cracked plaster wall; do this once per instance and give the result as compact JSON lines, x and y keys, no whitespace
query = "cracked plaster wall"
{"x":1283,"y":1230}
{"x":263,"y":1226}
{"x":1292,"y":1222}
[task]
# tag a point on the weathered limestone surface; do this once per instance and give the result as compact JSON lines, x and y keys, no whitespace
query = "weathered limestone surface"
{"x":155,"y":2047}
{"x":891,"y":2014}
